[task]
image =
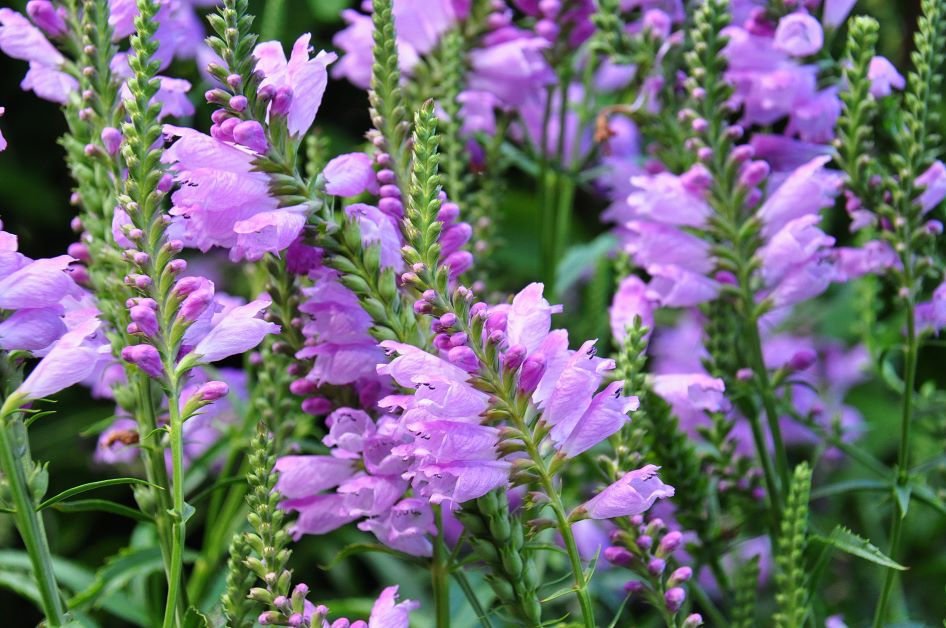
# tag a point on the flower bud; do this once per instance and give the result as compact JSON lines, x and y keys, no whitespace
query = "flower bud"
{"x":303,"y":387}
{"x":617,"y":555}
{"x":250,"y":133}
{"x":316,"y":406}
{"x":514,"y":357}
{"x":679,"y":576}
{"x":111,"y":139}
{"x":145,"y":357}
{"x":238,"y":103}
{"x":45,"y":15}
{"x":632,"y":587}
{"x":448,"y":320}
{"x":465,"y":358}
{"x":496,"y":321}
{"x":693,"y":620}
{"x":145,"y":318}
{"x":213,"y":390}
{"x":656,"y":566}
{"x":533,"y":368}
{"x":194,"y":304}
{"x":282,"y":101}
{"x":673,"y":599}
{"x":670,"y":542}
{"x":802,"y":360}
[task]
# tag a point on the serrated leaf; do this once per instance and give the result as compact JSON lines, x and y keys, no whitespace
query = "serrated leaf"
{"x":846,"y":541}
{"x":195,"y":619}
{"x":91,"y":486}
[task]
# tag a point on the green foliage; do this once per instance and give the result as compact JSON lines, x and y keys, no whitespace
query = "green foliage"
{"x":385,"y":97}
{"x":855,"y":135}
{"x":843,"y":539}
{"x":498,"y":540}
{"x":421,"y":227}
{"x":746,"y":594}
{"x":791,"y":580}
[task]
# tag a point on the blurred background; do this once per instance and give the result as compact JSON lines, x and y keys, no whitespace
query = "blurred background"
{"x":34,"y":203}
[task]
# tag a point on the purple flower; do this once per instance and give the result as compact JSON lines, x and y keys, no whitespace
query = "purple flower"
{"x":405,"y":527}
{"x":117,"y":443}
{"x":145,"y":357}
{"x":835,"y":11}
{"x":304,"y":476}
{"x":799,"y":35}
{"x":222,"y":201}
{"x":32,"y":329}
{"x":387,"y":612}
{"x":356,"y":42}
{"x":41,"y":283}
{"x":529,"y":317}
{"x":45,"y":15}
{"x":304,"y":78}
{"x":604,"y":416}
{"x":799,"y":242}
{"x":673,"y":286}
{"x":807,"y":190}
{"x":884,"y":77}
{"x":633,"y":494}
{"x":237,"y":332}
{"x":513,"y":70}
{"x":933,"y":183}
{"x":630,"y":302}
{"x":350,"y":175}
{"x":378,"y":228}
{"x":668,"y":199}
{"x":73,"y":358}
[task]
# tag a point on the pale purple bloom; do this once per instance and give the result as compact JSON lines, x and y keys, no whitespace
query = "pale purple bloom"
{"x":222,"y":201}
{"x":387,"y":612}
{"x":350,"y":175}
{"x":21,"y":40}
{"x":799,"y":35}
{"x":478,"y":111}
{"x":874,"y":257}
{"x":3,"y":140}
{"x":318,"y":514}
{"x":933,"y":183}
{"x":348,"y":428}
{"x":405,"y":527}
{"x":304,"y":78}
{"x":45,"y":15}
{"x":836,"y":11}
{"x":884,"y":77}
{"x":633,"y":494}
{"x":41,"y":283}
{"x":356,"y":42}
{"x":673,"y":286}
{"x":32,"y":329}
{"x":73,"y":358}
{"x":691,"y":392}
{"x":378,"y":228}
{"x":667,"y":199}
{"x":803,"y":282}
{"x":513,"y":70}
{"x":145,"y":357}
{"x":814,"y":120}
{"x":604,"y":416}
{"x":237,"y":332}
{"x":809,"y":189}
{"x":304,"y":476}
{"x":529,"y":317}
{"x":630,"y":301}
{"x":798,"y":242}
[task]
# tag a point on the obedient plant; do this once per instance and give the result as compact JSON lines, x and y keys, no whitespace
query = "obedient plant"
{"x":597,"y":316}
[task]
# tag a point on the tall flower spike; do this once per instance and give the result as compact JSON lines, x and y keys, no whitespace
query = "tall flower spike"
{"x":388,"y":114}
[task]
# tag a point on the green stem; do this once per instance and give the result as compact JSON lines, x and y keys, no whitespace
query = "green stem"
{"x":13,"y":450}
{"x":440,"y":574}
{"x":565,"y":529}
{"x":768,"y":400}
{"x":903,"y":459}
{"x":470,"y":594}
{"x":177,"y":518}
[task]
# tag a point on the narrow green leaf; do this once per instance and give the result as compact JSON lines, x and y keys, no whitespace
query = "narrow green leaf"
{"x":902,"y":495}
{"x":363,"y":548}
{"x":103,"y":505}
{"x":91,"y":486}
{"x":846,"y":541}
{"x":849,"y":486}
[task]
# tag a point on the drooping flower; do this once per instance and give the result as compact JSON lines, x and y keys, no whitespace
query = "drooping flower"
{"x":633,"y":494}
{"x":350,"y":175}
{"x":237,"y":332}
{"x":21,"y":40}
{"x":884,"y":77}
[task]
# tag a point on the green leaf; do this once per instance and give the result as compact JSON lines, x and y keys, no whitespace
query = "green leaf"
{"x":849,"y":486}
{"x":846,"y":541}
{"x":582,"y":259}
{"x":188,"y":511}
{"x":902,"y":494}
{"x":363,"y":548}
{"x":116,"y":574}
{"x":195,"y":619}
{"x":103,"y":505}
{"x":619,"y":612}
{"x":925,"y":495}
{"x":91,"y":486}
{"x":21,"y":584}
